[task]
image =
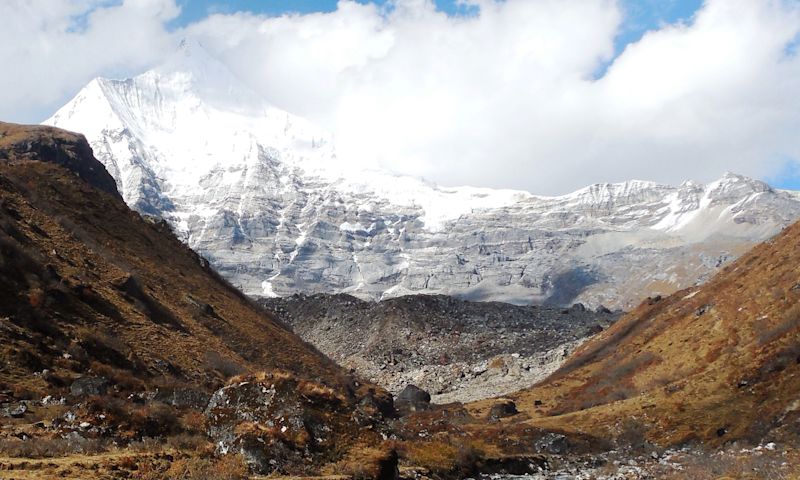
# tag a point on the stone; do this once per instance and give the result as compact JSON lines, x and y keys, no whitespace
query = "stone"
{"x":17,"y":411}
{"x":503,"y":408}
{"x":578,"y":307}
{"x":89,"y":386}
{"x":185,"y":398}
{"x":274,"y":419}
{"x":412,"y":399}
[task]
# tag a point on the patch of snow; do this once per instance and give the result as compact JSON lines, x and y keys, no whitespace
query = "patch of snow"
{"x":267,"y":290}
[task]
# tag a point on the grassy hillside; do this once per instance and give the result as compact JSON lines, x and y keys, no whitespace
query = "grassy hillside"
{"x":712,"y":364}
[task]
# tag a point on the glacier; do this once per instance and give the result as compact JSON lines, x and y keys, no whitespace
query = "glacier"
{"x":262,"y":195}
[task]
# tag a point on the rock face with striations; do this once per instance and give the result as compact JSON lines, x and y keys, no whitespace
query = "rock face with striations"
{"x":262,"y":195}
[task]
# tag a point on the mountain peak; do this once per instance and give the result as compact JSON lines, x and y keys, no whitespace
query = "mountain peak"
{"x":191,"y":53}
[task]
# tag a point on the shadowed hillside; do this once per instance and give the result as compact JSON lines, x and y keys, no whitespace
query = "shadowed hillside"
{"x":82,"y":271}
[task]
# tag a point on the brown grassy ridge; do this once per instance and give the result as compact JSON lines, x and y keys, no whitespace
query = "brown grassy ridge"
{"x":708,"y":364}
{"x":82,"y":274}
{"x":89,"y":287}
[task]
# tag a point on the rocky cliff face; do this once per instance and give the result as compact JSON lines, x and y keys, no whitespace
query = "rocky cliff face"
{"x":46,"y":144}
{"x":263,"y":196}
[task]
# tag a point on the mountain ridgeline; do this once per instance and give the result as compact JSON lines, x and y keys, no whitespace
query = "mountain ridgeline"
{"x":262,"y":195}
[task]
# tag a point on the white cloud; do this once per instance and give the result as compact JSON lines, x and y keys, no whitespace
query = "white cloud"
{"x":50,"y":49}
{"x":507,"y":97}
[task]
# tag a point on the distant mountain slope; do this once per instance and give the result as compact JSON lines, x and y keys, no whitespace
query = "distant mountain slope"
{"x":714,"y":363}
{"x":262,"y":194}
{"x":84,"y":279}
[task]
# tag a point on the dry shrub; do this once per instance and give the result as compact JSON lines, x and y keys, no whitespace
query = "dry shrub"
{"x":52,"y":448}
{"x":366,"y":462}
{"x":155,"y":420}
{"x":114,"y":408}
{"x":188,"y":442}
{"x":227,"y":467}
{"x":225,"y":366}
{"x":123,"y":379}
{"x":317,"y":392}
{"x":105,"y":347}
{"x":298,"y":438}
{"x":36,"y":297}
{"x":789,"y":323}
{"x":22,"y":392}
{"x":128,"y":463}
{"x":632,"y":434}
{"x":146,"y":445}
{"x":278,"y":377}
{"x":497,"y":363}
{"x":443,"y":458}
{"x":193,"y":422}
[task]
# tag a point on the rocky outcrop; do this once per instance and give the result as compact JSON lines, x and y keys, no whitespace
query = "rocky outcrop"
{"x":52,"y":145}
{"x":503,"y":408}
{"x":412,"y":399}
{"x":277,"y":421}
{"x":89,"y":386}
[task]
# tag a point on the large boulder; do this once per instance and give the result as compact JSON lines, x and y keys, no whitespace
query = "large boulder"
{"x":89,"y":386}
{"x":412,"y":399}
{"x":503,"y":408}
{"x":184,"y":398}
{"x":282,"y":424}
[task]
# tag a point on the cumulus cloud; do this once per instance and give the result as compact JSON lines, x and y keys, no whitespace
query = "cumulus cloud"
{"x":50,"y":49}
{"x":519,"y":93}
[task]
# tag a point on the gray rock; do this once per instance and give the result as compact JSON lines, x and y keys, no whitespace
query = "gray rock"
{"x":88,"y":386}
{"x":16,"y":411}
{"x":185,"y":398}
{"x":275,"y":420}
{"x":503,"y":408}
{"x":412,"y":399}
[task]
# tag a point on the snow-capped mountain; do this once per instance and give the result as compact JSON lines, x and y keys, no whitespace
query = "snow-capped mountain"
{"x":262,"y":195}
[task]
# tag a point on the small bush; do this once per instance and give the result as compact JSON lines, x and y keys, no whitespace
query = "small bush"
{"x":155,"y":420}
{"x":367,"y":462}
{"x":188,"y":442}
{"x":228,"y":467}
{"x":789,"y":323}
{"x":122,"y":379}
{"x":193,"y":422}
{"x":52,"y":448}
{"x":226,"y":367}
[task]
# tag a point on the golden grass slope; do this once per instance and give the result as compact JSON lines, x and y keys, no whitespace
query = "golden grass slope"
{"x":710,"y":363}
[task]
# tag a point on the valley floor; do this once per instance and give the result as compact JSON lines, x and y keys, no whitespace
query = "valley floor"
{"x":768,"y":461}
